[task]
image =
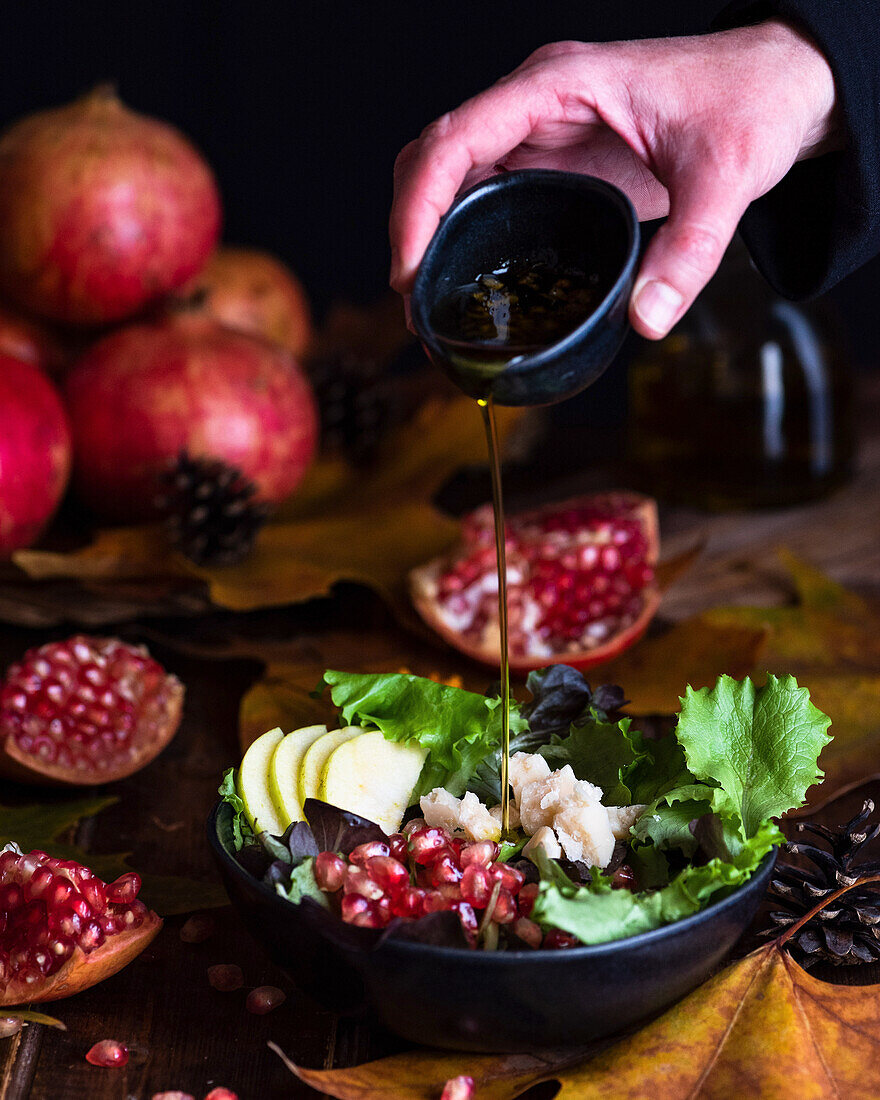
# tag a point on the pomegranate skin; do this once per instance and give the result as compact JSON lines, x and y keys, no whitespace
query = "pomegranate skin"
{"x":102,"y":211}
{"x":253,"y":292}
{"x":143,"y":394}
{"x":35,"y":453}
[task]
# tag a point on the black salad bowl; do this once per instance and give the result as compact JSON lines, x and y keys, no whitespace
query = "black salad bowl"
{"x":534,"y":214}
{"x":486,"y":1001}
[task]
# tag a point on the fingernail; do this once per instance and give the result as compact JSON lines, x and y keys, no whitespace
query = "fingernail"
{"x":657,"y":305}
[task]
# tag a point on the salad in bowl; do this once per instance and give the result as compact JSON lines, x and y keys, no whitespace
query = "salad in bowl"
{"x":389,"y":827}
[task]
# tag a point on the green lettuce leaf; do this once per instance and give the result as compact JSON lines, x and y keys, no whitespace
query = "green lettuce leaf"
{"x":759,"y":745}
{"x":242,"y":833}
{"x":598,"y":914}
{"x":458,"y":728}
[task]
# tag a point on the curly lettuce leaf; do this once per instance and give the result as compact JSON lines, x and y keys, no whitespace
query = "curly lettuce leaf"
{"x":458,"y":728}
{"x":597,"y":913}
{"x":759,"y":745}
{"x":242,"y":833}
{"x":301,"y":884}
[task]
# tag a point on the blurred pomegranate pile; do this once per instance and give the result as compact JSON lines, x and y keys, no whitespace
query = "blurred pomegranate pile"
{"x":133,"y":351}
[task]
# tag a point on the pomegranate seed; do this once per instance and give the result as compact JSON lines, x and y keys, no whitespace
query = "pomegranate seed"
{"x":173,"y":1095}
{"x":510,"y":879}
{"x":556,"y":940}
{"x":197,"y":929}
{"x":482,"y":853}
{"x":505,"y":908}
{"x":109,"y":1053}
{"x":467,"y":916}
{"x":222,"y":1094}
{"x":124,"y":890}
{"x":398,"y":847}
{"x":528,"y":931}
{"x":9,"y":1026}
{"x":436,"y":903}
{"x":458,"y":1088}
{"x":526,"y":898}
{"x":389,"y":874}
{"x":374,"y":916}
{"x":225,"y":977}
{"x":424,"y":844}
{"x":329,"y":871}
{"x":264,"y":999}
{"x":352,"y":906}
{"x":624,"y":878}
{"x":444,"y":870}
{"x":411,"y":826}
{"x":476,"y":886}
{"x":372,"y":848}
{"x":357,"y":881}
{"x":409,"y":903}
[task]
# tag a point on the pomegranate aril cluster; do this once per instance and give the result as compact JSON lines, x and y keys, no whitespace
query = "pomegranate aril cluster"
{"x":79,"y":703}
{"x":426,"y":870}
{"x":49,"y":907}
{"x":575,"y":576}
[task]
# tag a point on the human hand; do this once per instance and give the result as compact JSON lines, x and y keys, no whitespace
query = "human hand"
{"x":693,"y":128}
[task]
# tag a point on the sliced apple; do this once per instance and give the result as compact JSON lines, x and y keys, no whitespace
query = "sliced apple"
{"x":284,"y":771}
{"x":315,"y":757}
{"x":373,"y":777}
{"x":253,"y":785}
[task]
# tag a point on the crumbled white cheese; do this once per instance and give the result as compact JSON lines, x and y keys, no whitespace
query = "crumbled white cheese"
{"x":440,"y":809}
{"x":460,"y":816}
{"x":622,"y":819}
{"x":544,"y":838}
{"x":478,"y":822}
{"x":526,"y":767}
{"x":515,"y":821}
{"x":585,"y":833}
{"x":542,"y":799}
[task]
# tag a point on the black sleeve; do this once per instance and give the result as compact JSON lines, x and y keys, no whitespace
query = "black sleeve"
{"x":822,"y":220}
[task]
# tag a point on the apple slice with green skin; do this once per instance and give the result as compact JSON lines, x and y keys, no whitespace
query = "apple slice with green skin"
{"x":253,"y":785}
{"x":373,"y":777}
{"x":315,"y":757}
{"x":284,"y":771}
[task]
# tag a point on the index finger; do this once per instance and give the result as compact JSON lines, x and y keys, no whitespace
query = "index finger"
{"x":430,"y":170}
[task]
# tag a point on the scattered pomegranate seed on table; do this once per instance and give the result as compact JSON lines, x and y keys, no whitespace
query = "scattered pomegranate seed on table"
{"x":109,"y":1053}
{"x":221,"y":1094}
{"x":197,"y":929}
{"x":225,"y":977}
{"x":9,"y":1025}
{"x":264,"y":999}
{"x":458,"y":1088}
{"x":173,"y":1095}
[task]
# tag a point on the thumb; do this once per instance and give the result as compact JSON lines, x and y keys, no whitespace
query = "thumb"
{"x":685,"y":253}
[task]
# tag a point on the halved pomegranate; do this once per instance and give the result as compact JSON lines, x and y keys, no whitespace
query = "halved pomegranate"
{"x":580,"y":582}
{"x":85,"y":710}
{"x":62,"y":929}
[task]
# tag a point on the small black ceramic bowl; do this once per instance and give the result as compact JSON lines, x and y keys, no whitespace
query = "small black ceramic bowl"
{"x":529,"y":215}
{"x":482,"y":1000}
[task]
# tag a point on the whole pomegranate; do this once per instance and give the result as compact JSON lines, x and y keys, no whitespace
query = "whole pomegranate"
{"x":144,"y":394}
{"x":579,"y":583}
{"x":62,"y":929}
{"x":102,"y":211}
{"x":34,"y":452}
{"x":253,"y":292}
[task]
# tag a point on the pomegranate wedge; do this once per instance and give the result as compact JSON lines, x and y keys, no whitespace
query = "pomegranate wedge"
{"x":580,"y":582}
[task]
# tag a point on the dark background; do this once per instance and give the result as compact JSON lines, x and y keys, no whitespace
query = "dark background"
{"x":302,"y":106}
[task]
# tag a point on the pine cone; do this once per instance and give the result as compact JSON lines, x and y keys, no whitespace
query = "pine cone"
{"x":210,"y":512}
{"x":355,"y":411}
{"x":847,"y":932}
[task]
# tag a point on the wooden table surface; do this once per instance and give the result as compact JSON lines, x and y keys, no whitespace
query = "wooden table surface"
{"x":184,"y":1035}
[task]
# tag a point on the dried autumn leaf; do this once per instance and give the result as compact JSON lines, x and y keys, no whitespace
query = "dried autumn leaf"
{"x":763,"y":1027}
